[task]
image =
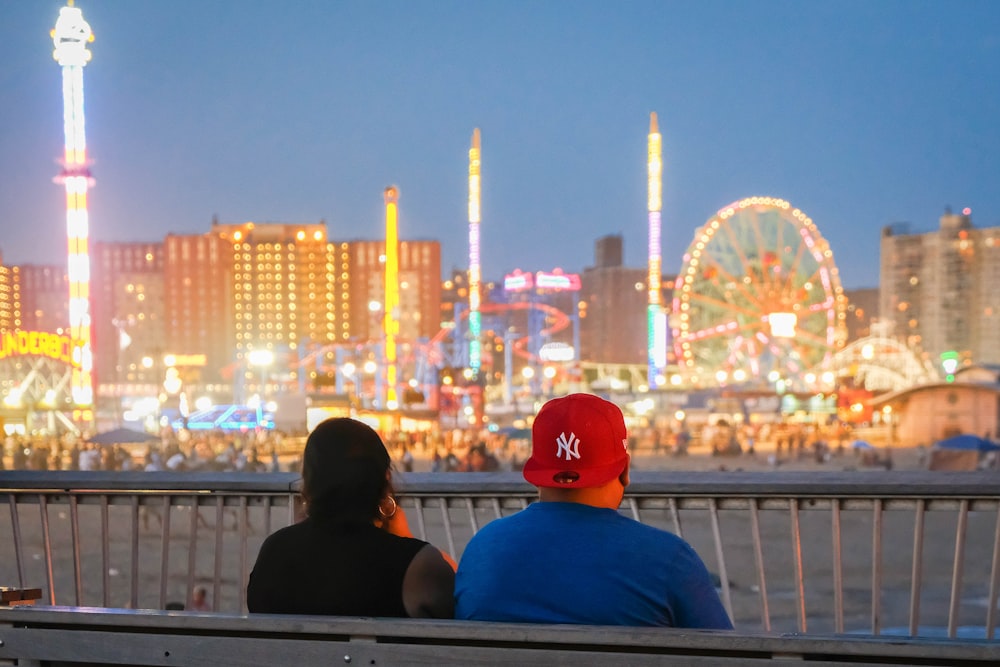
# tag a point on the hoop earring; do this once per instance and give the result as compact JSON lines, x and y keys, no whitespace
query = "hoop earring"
{"x":391,"y":513}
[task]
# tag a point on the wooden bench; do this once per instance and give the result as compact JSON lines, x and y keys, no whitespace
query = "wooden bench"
{"x":65,"y":636}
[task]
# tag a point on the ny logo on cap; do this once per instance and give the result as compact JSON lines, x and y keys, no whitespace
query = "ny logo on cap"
{"x":571,"y":446}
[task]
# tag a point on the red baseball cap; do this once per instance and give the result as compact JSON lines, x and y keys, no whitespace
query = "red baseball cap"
{"x":577,"y":441}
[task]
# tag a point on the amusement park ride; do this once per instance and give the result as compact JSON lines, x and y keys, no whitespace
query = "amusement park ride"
{"x":758,"y":298}
{"x":757,"y":303}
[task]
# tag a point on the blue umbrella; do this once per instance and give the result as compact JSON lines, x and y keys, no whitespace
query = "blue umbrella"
{"x":968,"y":442}
{"x":861,"y":444}
{"x":514,"y":433}
{"x":122,"y":436}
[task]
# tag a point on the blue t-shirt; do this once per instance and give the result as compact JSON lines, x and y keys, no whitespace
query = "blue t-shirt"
{"x":572,"y":563}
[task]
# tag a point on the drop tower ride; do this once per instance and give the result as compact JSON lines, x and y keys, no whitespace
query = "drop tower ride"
{"x":71,"y":36}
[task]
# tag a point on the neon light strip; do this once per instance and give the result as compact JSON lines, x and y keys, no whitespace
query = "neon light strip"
{"x":558,"y":281}
{"x":390,"y":320}
{"x":475,"y":271}
{"x":656,"y":353}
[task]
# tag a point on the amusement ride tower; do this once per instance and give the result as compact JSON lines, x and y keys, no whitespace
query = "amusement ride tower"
{"x":475,"y":270}
{"x":390,"y":326}
{"x":655,"y":320}
{"x":70,"y":36}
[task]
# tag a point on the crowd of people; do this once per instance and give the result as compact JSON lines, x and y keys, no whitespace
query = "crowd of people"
{"x":261,"y":451}
{"x":437,"y":451}
{"x":254,"y":452}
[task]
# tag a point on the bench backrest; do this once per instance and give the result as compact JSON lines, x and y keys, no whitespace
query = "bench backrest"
{"x":72,"y":635}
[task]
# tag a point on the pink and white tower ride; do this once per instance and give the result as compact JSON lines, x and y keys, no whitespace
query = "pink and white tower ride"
{"x":71,"y":36}
{"x":656,"y":325}
{"x":475,"y":270}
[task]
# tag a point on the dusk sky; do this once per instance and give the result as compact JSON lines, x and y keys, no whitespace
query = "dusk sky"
{"x":861,"y":113}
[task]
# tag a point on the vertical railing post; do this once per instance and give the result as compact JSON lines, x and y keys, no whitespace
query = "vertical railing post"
{"x":43,"y":507}
{"x":758,"y":556}
{"x":876,"y":616}
{"x":991,"y":613}
{"x":74,"y":517}
{"x":720,"y":557}
{"x":956,"y":576}
{"x":916,"y":574}
{"x":838,"y":567}
{"x":800,"y":590}
{"x":164,"y":550}
{"x":15,"y":526}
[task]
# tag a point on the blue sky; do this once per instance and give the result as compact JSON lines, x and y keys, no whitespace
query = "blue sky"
{"x":861,"y":114}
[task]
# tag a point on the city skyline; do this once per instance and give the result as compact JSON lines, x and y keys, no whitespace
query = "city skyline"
{"x":257,"y":112}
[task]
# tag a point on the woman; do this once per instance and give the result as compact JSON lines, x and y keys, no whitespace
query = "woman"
{"x":354,"y":554}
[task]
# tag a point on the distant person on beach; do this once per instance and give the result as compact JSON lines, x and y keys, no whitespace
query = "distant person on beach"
{"x":479,"y":459}
{"x":572,"y":557}
{"x":199,"y":599}
{"x":354,"y":554}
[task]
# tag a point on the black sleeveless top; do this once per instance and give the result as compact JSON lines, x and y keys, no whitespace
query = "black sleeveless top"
{"x":315,"y":568}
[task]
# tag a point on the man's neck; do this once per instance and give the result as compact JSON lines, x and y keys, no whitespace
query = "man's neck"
{"x":602,"y":496}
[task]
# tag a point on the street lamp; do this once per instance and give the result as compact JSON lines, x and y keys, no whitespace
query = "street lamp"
{"x":550,"y":373}
{"x":262,"y":359}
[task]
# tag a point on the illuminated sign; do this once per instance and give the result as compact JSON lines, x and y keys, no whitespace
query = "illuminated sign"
{"x":41,"y":344}
{"x":949,"y":362}
{"x":782,"y":324}
{"x":557,"y":281}
{"x":557,"y":352}
{"x":188,"y":360}
{"x":518,"y":282}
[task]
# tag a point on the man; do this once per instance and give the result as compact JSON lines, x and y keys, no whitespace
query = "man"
{"x":572,"y":557}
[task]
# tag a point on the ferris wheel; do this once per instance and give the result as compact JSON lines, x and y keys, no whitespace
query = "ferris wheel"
{"x":758,"y":298}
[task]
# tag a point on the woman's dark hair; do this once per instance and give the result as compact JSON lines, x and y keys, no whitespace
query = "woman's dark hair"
{"x":344,"y":472}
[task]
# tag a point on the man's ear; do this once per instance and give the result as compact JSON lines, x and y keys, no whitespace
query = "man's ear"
{"x":623,"y":478}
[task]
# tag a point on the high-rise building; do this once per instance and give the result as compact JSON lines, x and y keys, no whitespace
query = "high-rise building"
{"x":198,"y":293}
{"x":41,"y":297}
{"x":613,"y":308}
{"x":6,"y":297}
{"x":938,"y":289}
{"x":128,"y":314}
{"x":287,"y":290}
{"x":419,"y":289}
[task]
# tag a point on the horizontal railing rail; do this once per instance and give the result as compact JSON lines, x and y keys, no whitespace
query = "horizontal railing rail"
{"x":878,"y":553}
{"x":65,"y":636}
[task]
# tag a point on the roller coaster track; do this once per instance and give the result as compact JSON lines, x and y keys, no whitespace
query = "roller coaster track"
{"x":561,"y":321}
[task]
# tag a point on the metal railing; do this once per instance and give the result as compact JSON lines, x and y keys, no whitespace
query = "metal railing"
{"x":880,"y":553}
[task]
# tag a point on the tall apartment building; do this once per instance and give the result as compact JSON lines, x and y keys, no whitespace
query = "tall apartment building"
{"x":209,"y":299}
{"x":287,"y":290}
{"x":419,"y":289}
{"x":939,"y":288}
{"x":33,"y":297}
{"x":7,"y":317}
{"x":198,"y":295}
{"x":127,"y":313}
{"x":613,"y":308}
